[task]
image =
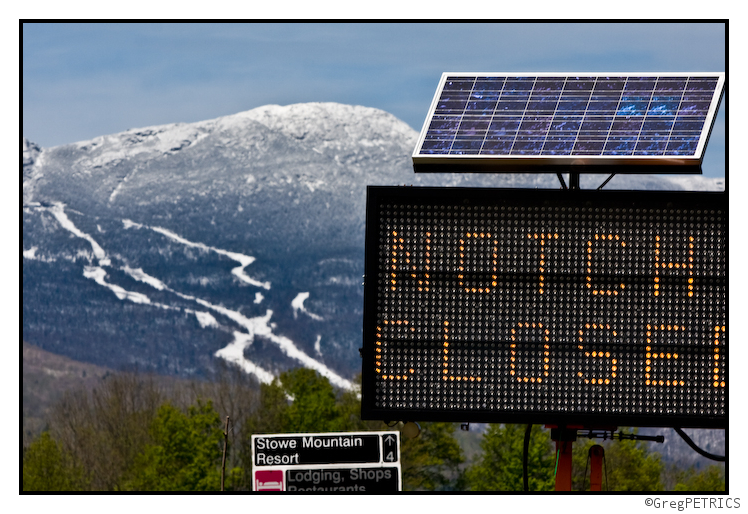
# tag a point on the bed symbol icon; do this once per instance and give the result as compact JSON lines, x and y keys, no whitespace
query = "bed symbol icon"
{"x":271,"y":480}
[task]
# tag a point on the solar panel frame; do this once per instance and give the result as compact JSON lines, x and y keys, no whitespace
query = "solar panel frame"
{"x":522,"y":115}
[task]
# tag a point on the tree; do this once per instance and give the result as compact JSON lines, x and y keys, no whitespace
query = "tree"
{"x":313,"y":407}
{"x":106,"y":429}
{"x":185,"y":455}
{"x":48,"y":467}
{"x":430,"y":462}
{"x":299,"y":401}
{"x":303,"y":401}
{"x":500,"y":467}
{"x":710,"y":479}
{"x":236,"y":394}
{"x":349,"y":410}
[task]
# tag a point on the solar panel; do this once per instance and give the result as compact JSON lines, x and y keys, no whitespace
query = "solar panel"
{"x":541,"y":122}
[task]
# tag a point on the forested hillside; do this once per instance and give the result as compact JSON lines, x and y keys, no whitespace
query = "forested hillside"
{"x":133,"y":432}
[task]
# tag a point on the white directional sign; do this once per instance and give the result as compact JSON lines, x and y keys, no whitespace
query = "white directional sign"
{"x":367,"y":462}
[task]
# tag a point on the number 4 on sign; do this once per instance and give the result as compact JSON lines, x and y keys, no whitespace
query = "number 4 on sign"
{"x":389,"y":448}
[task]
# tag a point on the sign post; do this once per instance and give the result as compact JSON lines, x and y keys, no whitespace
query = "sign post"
{"x":367,"y":462}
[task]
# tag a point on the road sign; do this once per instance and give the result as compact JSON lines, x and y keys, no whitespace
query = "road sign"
{"x":380,"y":479}
{"x":530,"y":306}
{"x":327,"y":462}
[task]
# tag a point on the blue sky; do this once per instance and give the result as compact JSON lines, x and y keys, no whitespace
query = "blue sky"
{"x":85,"y":80}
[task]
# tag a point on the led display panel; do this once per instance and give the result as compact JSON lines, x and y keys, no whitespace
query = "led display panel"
{"x":566,"y":307}
{"x":622,"y":123}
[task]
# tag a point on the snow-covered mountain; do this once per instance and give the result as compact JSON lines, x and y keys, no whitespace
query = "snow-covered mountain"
{"x":239,"y":238}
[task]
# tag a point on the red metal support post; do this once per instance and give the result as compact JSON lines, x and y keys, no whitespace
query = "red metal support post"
{"x":564,"y":437}
{"x":597,"y":454}
{"x":563,"y":465}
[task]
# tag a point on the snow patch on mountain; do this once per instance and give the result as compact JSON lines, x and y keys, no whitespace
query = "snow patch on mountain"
{"x":348,"y":134}
{"x":150,"y":141}
{"x":298,"y":306}
{"x":30,"y":152}
{"x":329,"y":122}
{"x":206,"y":319}
{"x":234,"y":353}
{"x":257,"y":326}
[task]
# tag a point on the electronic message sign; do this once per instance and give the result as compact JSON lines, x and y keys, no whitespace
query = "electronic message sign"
{"x":568,"y":307}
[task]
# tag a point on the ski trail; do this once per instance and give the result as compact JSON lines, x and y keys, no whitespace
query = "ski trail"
{"x":234,"y":352}
{"x":243,"y":260}
{"x":298,"y":306}
{"x":58,"y":211}
{"x":258,"y":326}
{"x":98,"y":274}
{"x":122,"y":183}
{"x":141,"y":276}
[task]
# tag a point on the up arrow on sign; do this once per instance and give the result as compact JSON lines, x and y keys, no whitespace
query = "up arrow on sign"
{"x":389,"y":448}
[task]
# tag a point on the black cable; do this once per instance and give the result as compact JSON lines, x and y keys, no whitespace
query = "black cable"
{"x":525,"y":478}
{"x":689,"y":441}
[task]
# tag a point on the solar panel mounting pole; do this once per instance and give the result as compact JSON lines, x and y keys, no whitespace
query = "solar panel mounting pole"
{"x":596,"y":456}
{"x":563,"y":436}
{"x":573,"y":180}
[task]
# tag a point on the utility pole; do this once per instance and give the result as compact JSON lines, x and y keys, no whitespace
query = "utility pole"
{"x":225,"y":445}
